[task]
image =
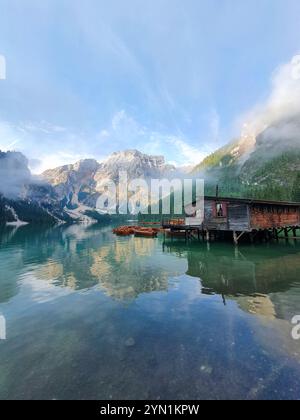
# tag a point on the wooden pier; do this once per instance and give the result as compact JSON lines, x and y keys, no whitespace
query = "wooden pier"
{"x":238,"y":219}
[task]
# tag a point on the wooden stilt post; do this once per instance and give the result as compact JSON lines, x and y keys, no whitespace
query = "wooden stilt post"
{"x":267,"y":236}
{"x":207,"y":236}
{"x":235,"y":238}
{"x":286,"y":234}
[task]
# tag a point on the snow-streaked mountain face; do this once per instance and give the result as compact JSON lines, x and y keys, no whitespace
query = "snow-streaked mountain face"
{"x":79,"y":172}
{"x":270,"y":160}
{"x":72,"y":183}
{"x":71,"y":191}
{"x":276,"y":156}
{"x":136,"y":164}
{"x":82,"y":183}
{"x":280,"y":137}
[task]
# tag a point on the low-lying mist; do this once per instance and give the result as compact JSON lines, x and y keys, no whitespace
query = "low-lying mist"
{"x":14,"y":174}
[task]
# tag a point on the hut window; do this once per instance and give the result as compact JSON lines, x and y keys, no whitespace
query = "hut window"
{"x":221,"y":210}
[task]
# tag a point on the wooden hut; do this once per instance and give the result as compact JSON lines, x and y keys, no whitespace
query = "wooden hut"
{"x":239,"y":217}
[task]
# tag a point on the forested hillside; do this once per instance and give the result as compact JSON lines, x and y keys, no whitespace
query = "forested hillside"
{"x":268,"y":168}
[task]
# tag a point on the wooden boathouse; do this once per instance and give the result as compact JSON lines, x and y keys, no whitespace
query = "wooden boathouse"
{"x":237,"y":218}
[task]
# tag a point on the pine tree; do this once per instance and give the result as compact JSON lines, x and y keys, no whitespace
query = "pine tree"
{"x":296,"y":188}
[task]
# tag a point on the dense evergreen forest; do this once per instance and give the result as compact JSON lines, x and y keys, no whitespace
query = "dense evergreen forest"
{"x":26,"y":211}
{"x":276,"y":178}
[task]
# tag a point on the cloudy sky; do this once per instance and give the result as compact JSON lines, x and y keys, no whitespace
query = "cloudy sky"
{"x":172,"y":77}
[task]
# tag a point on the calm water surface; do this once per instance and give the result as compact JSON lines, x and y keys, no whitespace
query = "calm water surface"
{"x":92,"y":316}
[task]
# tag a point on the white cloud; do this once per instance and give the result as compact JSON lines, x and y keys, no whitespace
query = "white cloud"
{"x":44,"y":144}
{"x":54,"y":160}
{"x":125,"y":130}
{"x":8,"y":137}
{"x":188,"y":155}
{"x":283,"y":101}
{"x":42,"y":127}
{"x":48,"y":146}
{"x":124,"y":124}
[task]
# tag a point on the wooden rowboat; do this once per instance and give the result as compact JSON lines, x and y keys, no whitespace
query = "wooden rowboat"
{"x":124,"y":230}
{"x":123,"y":233}
{"x":137,"y":231}
{"x":145,"y":233}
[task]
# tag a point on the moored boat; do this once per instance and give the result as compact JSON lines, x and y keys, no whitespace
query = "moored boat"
{"x":124,"y":230}
{"x":137,"y":231}
{"x":147,"y":233}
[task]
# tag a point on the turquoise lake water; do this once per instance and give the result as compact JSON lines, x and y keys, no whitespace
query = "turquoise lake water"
{"x":93,"y":316}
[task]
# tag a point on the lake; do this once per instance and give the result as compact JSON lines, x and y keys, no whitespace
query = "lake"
{"x":93,"y":316}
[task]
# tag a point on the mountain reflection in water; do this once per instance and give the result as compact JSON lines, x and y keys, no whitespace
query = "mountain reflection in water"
{"x":93,"y":316}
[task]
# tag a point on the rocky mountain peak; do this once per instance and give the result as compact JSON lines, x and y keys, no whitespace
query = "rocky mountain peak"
{"x":71,"y":173}
{"x":86,"y":165}
{"x":135,"y":163}
{"x":132,"y":155}
{"x":80,"y":184}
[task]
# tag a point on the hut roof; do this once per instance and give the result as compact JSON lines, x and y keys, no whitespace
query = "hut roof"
{"x":251,"y":201}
